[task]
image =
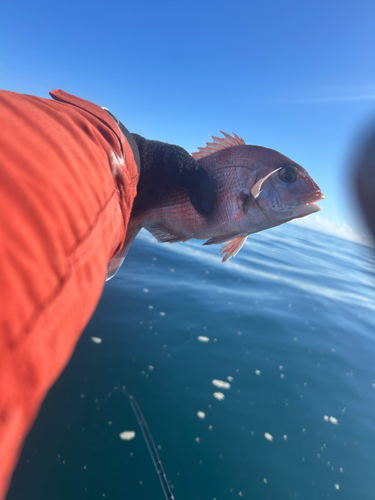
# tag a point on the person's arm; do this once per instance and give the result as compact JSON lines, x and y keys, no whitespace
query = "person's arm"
{"x":161,"y":166}
{"x":68,"y":178}
{"x":67,"y":183}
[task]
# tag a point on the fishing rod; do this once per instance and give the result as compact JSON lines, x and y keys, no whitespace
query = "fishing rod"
{"x":151,"y":448}
{"x":149,"y":441}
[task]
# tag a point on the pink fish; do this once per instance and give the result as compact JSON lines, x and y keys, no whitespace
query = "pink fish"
{"x":255,"y":188}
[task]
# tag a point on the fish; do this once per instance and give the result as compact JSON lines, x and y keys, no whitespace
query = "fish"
{"x":255,"y":188}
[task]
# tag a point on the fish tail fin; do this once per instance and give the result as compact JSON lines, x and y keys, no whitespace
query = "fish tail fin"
{"x":115,"y":263}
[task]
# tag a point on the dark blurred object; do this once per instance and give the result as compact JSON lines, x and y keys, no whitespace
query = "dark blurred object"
{"x":365,"y":181}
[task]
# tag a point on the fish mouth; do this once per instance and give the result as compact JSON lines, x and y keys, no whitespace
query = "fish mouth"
{"x":307,"y":204}
{"x":312,"y":198}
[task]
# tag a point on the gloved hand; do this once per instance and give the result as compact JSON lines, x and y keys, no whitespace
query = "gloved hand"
{"x":164,"y":166}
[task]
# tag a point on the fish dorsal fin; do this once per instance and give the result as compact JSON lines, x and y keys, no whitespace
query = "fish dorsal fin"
{"x":232,"y":247}
{"x":219,"y":143}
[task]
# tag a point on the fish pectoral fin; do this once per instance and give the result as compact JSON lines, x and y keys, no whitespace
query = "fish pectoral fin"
{"x":163,"y":235}
{"x":232,"y":247}
{"x":220,"y":239}
{"x":257,"y":188}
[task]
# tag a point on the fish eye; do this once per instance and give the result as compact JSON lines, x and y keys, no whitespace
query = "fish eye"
{"x":288,"y":174}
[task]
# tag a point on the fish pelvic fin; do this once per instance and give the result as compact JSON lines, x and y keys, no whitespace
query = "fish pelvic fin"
{"x":164,"y":235}
{"x":232,"y":247}
{"x":220,"y":239}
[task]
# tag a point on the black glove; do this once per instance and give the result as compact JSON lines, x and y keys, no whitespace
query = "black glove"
{"x":164,"y":166}
{"x":161,"y":167}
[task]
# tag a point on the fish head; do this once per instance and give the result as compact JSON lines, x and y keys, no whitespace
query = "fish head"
{"x":270,"y":183}
{"x":256,"y":188}
{"x":283,"y":189}
{"x":266,"y":187}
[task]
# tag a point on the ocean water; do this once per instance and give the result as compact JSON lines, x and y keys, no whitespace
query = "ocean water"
{"x":288,"y":324}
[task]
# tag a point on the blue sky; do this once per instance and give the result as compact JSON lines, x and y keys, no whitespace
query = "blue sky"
{"x":295,"y":76}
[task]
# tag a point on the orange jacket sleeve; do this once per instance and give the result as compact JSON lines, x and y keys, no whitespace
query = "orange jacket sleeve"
{"x":67,"y":183}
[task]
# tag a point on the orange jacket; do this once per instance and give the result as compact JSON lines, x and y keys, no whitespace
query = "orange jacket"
{"x":67,"y":183}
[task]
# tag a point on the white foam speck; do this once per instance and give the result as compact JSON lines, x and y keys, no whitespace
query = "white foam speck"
{"x":268,"y":436}
{"x":150,"y":307}
{"x":285,"y":437}
{"x":210,"y":427}
{"x":201,"y":414}
{"x":230,"y":379}
{"x":331,"y":419}
{"x":336,"y":486}
{"x":221,"y":384}
{"x":127,"y":435}
{"x":219,"y":395}
{"x":281,"y":368}
{"x":282,"y":375}
{"x":162,"y":314}
{"x":96,"y":340}
{"x":197,"y":440}
{"x":264,"y":480}
{"x":150,"y":368}
{"x":201,"y":338}
{"x":145,"y":290}
{"x":258,"y":372}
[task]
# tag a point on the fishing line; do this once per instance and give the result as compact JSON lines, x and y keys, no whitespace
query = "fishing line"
{"x":148,"y":439}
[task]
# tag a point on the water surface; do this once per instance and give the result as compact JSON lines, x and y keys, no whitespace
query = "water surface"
{"x":290,"y":323}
